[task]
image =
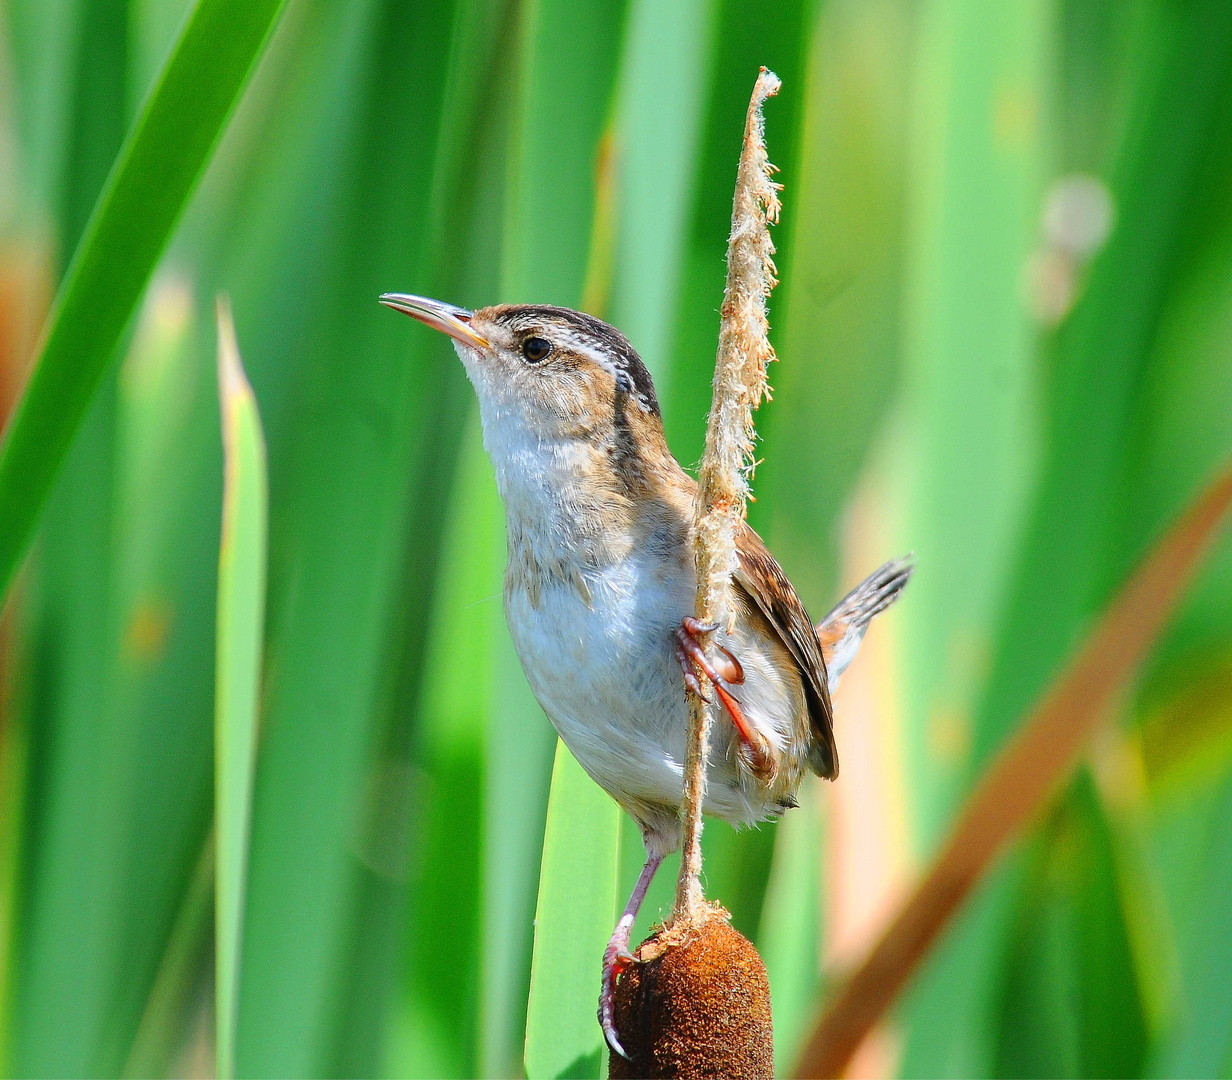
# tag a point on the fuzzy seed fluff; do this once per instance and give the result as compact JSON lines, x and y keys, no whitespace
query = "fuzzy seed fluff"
{"x":723,"y":479}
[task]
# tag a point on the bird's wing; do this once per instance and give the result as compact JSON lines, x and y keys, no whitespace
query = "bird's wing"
{"x":763,"y":580}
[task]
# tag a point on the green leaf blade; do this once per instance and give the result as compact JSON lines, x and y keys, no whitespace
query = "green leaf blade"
{"x":573,"y":921}
{"x":241,"y":617}
{"x":131,"y":224}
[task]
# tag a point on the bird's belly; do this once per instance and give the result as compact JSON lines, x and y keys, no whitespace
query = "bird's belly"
{"x":603,"y":673}
{"x":606,"y":675}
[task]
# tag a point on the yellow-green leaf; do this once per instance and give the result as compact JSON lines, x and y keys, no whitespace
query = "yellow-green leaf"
{"x":241,"y":616}
{"x":573,"y":920}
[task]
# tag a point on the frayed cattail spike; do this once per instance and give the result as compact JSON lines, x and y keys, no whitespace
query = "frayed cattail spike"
{"x":722,"y":483}
{"x":696,"y":1007}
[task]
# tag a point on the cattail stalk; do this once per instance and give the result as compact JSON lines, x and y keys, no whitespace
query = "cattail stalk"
{"x":723,"y":479}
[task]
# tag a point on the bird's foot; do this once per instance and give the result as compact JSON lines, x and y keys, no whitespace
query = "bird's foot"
{"x":726,"y":671}
{"x":616,"y":958}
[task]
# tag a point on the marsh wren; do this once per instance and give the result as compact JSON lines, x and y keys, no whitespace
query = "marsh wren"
{"x":600,"y":582}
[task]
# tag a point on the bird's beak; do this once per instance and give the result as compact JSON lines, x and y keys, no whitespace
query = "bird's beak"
{"x":454,"y":321}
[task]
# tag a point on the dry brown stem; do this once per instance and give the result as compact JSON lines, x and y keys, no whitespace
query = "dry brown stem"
{"x":723,"y":479}
{"x":1036,"y":759}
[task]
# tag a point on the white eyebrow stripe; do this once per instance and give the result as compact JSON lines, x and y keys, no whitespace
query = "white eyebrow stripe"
{"x":624,"y":380}
{"x":597,"y":356}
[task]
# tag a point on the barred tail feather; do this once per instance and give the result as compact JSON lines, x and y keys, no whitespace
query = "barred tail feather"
{"x":841,"y":632}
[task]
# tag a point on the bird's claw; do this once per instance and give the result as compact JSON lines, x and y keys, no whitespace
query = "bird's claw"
{"x":616,"y":958}
{"x":726,"y":670}
{"x":690,"y":676}
{"x":733,"y":672}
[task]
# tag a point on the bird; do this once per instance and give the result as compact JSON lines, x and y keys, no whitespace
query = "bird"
{"x":600,"y":584}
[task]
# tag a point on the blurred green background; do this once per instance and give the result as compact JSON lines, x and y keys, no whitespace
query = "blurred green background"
{"x":1005,"y":333}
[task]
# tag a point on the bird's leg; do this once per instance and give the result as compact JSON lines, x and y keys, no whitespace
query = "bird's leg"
{"x":722,"y":673}
{"x":617,"y":957}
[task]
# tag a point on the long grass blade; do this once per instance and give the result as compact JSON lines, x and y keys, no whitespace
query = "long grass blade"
{"x":839,"y":349}
{"x":241,"y":619}
{"x":789,"y":935}
{"x":432,"y":1030}
{"x":965,"y":455}
{"x":157,"y":169}
{"x":657,"y":130}
{"x":169,"y":1006}
{"x":433,"y":1033}
{"x":1083,"y":532}
{"x":1069,"y":1009}
{"x":361,"y":465}
{"x":577,"y":906}
{"x":1021,"y":777}
{"x":967,"y":461}
{"x":1200,"y":1041}
{"x":132,"y":815}
{"x":568,"y":65}
{"x":1088,"y":518}
{"x":69,"y":602}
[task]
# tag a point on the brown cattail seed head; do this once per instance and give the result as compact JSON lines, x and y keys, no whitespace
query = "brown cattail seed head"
{"x":699,"y":1008}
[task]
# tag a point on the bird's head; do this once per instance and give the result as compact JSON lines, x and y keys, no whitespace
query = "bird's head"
{"x":554,"y":372}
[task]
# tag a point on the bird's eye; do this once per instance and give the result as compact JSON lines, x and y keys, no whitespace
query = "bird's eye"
{"x":536,"y":349}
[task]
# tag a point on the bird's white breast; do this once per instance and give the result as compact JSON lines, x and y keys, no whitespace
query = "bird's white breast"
{"x":593,"y":612}
{"x":605,"y":673}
